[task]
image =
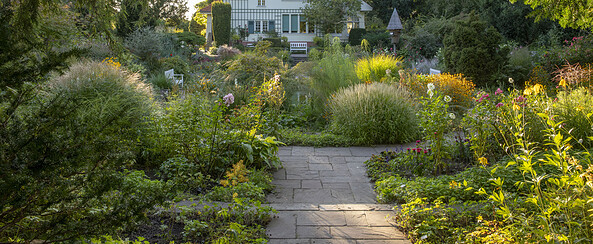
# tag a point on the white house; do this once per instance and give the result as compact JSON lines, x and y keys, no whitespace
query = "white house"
{"x":283,"y":16}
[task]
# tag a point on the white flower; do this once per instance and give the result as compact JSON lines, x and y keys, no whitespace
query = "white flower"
{"x":511,"y":80}
{"x":430,"y":93}
{"x":388,"y":71}
{"x":276,"y":78}
{"x":430,"y":86}
{"x":580,"y":141}
{"x":452,"y":115}
{"x":448,"y":99}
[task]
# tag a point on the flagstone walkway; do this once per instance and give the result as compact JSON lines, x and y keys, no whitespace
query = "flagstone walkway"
{"x":324,"y":196}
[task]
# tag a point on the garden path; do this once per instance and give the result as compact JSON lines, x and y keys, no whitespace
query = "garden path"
{"x":324,"y":196}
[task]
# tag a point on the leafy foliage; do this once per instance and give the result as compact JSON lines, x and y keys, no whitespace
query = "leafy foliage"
{"x":567,"y":13}
{"x":61,"y":152}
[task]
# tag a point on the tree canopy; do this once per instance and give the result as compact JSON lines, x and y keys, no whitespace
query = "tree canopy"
{"x":329,"y":15}
{"x":568,"y":13}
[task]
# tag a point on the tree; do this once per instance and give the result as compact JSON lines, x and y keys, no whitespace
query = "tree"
{"x":171,"y":10}
{"x":472,"y":48}
{"x":330,"y":15}
{"x":569,"y":13}
{"x":132,"y":16}
{"x":221,"y":22}
{"x":198,"y":23}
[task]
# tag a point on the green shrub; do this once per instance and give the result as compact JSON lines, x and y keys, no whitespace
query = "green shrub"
{"x":374,"y":113}
{"x":148,"y":45}
{"x":63,"y":155}
{"x":251,"y":69}
{"x":315,"y":54}
{"x":377,"y":67}
{"x":355,"y":36}
{"x":520,"y":65}
{"x":226,"y":52}
{"x":160,"y":81}
{"x":472,"y":48}
{"x":572,"y":53}
{"x":334,"y":71}
{"x":182,"y":175}
{"x":276,"y":41}
{"x":221,"y":22}
{"x":378,"y":39}
{"x":176,"y":63}
{"x":574,"y":108}
{"x":191,"y":38}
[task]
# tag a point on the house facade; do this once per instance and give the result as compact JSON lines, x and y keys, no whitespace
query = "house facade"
{"x":285,"y":17}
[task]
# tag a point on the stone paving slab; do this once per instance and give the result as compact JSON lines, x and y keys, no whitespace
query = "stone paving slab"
{"x":323,"y":195}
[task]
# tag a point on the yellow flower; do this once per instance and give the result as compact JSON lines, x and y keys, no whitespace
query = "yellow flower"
{"x":483,"y":161}
{"x":538,"y":88}
{"x":235,"y":195}
{"x":527,"y":91}
{"x":453,"y":184}
{"x":516,"y":107}
{"x":480,"y":218}
{"x":562,"y":82}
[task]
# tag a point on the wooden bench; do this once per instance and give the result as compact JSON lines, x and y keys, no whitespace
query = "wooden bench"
{"x":176,"y":78}
{"x":298,"y":46}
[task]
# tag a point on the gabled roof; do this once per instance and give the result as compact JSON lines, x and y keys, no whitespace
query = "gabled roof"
{"x":364,"y":7}
{"x":207,"y":9}
{"x":395,"y":23}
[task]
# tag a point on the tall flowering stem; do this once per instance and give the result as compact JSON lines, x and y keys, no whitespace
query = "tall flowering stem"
{"x":435,"y":120}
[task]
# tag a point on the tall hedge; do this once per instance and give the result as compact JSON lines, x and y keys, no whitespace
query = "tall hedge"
{"x":221,"y":22}
{"x":355,"y":36}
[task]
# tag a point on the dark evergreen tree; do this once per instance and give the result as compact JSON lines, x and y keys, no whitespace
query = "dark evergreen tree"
{"x":472,"y":48}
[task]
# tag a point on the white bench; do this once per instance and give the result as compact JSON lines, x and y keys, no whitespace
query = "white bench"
{"x":298,"y":46}
{"x":176,"y":78}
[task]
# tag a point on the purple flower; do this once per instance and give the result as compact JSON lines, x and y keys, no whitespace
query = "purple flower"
{"x":498,"y":91}
{"x":228,"y":99}
{"x":499,"y":105}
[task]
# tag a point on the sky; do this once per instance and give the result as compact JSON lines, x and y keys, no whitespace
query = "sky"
{"x":191,"y":4}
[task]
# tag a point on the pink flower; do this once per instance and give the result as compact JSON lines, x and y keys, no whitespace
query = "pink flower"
{"x":228,"y":99}
{"x":520,"y":99}
{"x":498,"y":91}
{"x":499,"y":105}
{"x":418,"y":141}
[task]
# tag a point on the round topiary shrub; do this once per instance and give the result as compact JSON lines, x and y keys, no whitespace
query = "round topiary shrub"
{"x":374,"y":113}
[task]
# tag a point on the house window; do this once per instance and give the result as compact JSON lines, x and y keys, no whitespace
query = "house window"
{"x":261,"y":2}
{"x":294,"y":23}
{"x":264,"y":26}
{"x":259,"y":26}
{"x":286,"y":23}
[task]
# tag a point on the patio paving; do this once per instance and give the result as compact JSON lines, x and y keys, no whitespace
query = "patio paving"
{"x":323,"y":195}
